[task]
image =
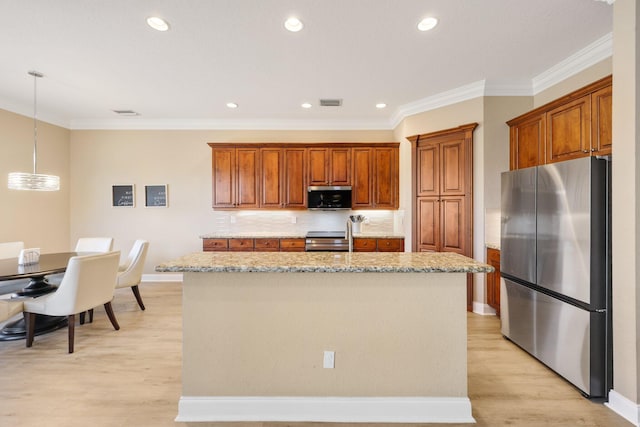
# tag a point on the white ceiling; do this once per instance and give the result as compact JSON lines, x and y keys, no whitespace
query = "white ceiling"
{"x":98,"y":56}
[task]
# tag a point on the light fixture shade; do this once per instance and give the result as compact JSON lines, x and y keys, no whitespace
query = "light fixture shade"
{"x":33,"y":181}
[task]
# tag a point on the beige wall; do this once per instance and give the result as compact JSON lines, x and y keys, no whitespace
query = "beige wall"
{"x":626,"y":202}
{"x":39,"y":219}
{"x":181,"y":159}
{"x":385,"y":342}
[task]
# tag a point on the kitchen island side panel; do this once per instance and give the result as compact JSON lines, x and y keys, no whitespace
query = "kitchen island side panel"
{"x":264,"y":334}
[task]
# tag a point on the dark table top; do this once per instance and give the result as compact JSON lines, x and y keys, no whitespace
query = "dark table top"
{"x":48,"y":264}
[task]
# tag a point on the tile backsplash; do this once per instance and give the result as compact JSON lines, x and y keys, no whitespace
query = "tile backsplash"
{"x":299,"y":222}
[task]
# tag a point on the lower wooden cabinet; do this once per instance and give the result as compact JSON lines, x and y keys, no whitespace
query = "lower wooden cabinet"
{"x":493,"y":280}
{"x":361,"y":244}
{"x":292,"y":245}
{"x":253,"y":245}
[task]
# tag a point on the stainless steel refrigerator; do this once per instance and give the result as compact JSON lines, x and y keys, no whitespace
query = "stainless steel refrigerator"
{"x":556,"y":265}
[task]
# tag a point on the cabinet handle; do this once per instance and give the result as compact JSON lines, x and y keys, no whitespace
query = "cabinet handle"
{"x":593,"y":149}
{"x":585,"y":151}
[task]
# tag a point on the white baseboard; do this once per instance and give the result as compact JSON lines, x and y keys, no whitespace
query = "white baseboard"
{"x":624,"y":407}
{"x":162,"y":277}
{"x":483,"y":309}
{"x":326,"y":409}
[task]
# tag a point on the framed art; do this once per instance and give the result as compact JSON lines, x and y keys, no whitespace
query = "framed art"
{"x":123,"y":196}
{"x":155,"y":196}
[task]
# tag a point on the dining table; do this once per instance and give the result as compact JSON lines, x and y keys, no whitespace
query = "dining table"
{"x":10,"y":269}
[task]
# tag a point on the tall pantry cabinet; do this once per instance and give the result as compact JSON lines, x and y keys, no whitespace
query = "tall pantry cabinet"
{"x":442,"y":188}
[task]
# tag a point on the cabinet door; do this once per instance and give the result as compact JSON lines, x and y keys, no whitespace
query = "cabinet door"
{"x":428,"y":224}
{"x":318,"y":161}
{"x":493,"y":280}
{"x":601,"y":102}
{"x":340,"y":166}
{"x":385,"y":184}
{"x":569,"y":130}
{"x":364,"y":245}
{"x":295,"y":187}
{"x":224,"y":178}
{"x":248,"y":172}
{"x":428,"y":173}
{"x":361,"y":194}
{"x":453,"y":224}
{"x":390,"y":245}
{"x":527,"y":143}
{"x":271,"y":177}
{"x":452,"y":167}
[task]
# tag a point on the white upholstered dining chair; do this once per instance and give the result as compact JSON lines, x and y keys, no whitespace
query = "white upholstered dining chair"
{"x":130,"y":273}
{"x":89,"y":281}
{"x":85,"y":244}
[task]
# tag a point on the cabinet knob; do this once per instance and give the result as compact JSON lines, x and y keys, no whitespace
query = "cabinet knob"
{"x":593,"y":149}
{"x":585,"y":151}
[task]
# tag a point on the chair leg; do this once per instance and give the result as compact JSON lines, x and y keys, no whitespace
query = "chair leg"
{"x":82,"y":315}
{"x":136,"y":293}
{"x":72,"y":326}
{"x":112,"y":316}
{"x":30,"y":326}
{"x":91,"y":315}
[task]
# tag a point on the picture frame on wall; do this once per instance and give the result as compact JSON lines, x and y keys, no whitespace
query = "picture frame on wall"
{"x":156,"y":196}
{"x":123,"y":196}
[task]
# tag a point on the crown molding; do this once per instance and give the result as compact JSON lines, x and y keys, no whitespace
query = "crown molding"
{"x":597,"y":51}
{"x":137,"y":123}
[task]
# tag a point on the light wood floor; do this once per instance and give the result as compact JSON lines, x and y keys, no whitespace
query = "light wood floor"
{"x":131,"y":377}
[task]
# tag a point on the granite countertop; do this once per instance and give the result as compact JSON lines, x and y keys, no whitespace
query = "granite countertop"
{"x":325,"y":262}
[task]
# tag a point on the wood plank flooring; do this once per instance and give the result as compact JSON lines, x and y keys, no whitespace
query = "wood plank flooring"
{"x":131,"y":377}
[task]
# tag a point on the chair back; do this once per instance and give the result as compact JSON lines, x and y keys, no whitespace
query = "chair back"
{"x":131,"y":275}
{"x":88,"y":282}
{"x":94,"y":244}
{"x":10,"y":249}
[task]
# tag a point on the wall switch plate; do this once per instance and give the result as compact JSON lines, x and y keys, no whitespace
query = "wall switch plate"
{"x":329,"y":360}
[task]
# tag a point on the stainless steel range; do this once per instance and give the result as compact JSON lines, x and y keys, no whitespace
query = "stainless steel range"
{"x":326,"y":241}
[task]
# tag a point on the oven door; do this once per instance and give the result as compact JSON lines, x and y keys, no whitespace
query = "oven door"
{"x":326,"y":244}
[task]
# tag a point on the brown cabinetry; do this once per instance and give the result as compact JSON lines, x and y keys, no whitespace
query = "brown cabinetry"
{"x":235,"y":177}
{"x":369,"y":244}
{"x":276,"y":176}
{"x":329,"y":166}
{"x":375,"y":178}
{"x":282,"y":178}
{"x":493,"y":280}
{"x":442,"y":170}
{"x":576,"y":125}
{"x":271,"y":244}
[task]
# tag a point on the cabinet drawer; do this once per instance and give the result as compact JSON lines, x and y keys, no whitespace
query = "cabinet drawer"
{"x":390,"y":245}
{"x":210,"y":245}
{"x":364,"y":245}
{"x":267,"y":245}
{"x":241,"y":245}
{"x":292,"y":245}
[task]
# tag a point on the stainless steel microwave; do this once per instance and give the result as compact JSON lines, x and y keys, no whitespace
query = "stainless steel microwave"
{"x":329,"y":198}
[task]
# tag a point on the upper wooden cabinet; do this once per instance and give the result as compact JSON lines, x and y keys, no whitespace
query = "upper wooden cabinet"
{"x":282,"y":180}
{"x":276,"y":176}
{"x":329,"y":166}
{"x":235,"y":177}
{"x":375,"y":178}
{"x":576,"y":125}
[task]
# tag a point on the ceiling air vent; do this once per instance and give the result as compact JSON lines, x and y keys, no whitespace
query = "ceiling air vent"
{"x":331,"y":102}
{"x":127,"y":113}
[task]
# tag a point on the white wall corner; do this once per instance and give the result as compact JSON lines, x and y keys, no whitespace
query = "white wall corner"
{"x":624,"y":407}
{"x":325,"y":409}
{"x":483,"y":309}
{"x":162,"y":277}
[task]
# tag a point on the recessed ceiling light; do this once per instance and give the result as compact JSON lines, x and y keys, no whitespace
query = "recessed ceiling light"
{"x":306,"y":105}
{"x":427,"y":24}
{"x":293,"y":24}
{"x":158,"y":23}
{"x":381,"y":105}
{"x":232,"y":105}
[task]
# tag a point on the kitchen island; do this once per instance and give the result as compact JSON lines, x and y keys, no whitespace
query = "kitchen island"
{"x":337,"y":337}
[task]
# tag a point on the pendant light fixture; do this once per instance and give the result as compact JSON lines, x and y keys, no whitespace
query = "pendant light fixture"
{"x":34,"y":181}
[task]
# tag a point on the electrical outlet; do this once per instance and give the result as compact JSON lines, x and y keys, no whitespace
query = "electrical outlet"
{"x":329,"y":360}
{"x":293,"y":220}
{"x":232,"y":219}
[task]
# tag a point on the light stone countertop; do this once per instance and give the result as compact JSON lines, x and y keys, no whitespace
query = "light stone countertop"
{"x":325,"y":262}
